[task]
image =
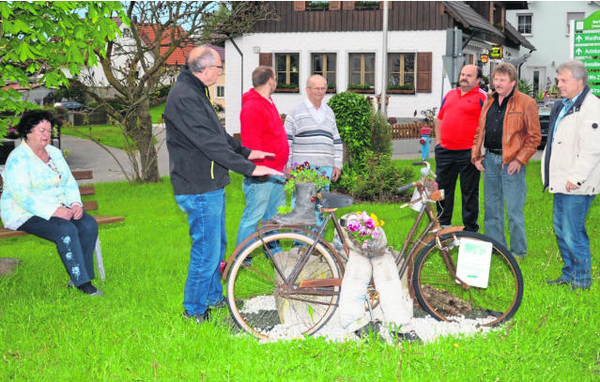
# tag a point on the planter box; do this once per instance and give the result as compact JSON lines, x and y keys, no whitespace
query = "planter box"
{"x":362,"y":91}
{"x":400,"y":91}
{"x":330,"y":90}
{"x":5,"y":149}
{"x":286,"y":90}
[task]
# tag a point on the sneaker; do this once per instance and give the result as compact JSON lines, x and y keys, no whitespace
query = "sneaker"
{"x":200,"y":318}
{"x":558,"y":281}
{"x":247,"y":261}
{"x":410,"y":336}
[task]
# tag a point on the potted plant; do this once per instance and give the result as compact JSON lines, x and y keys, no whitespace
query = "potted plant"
{"x":330,"y":88}
{"x":286,"y":88}
{"x":362,"y":89}
{"x":401,"y":89}
{"x":306,"y":181}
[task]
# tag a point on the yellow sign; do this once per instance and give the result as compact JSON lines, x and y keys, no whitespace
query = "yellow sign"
{"x":484,"y":58}
{"x":496,"y":52}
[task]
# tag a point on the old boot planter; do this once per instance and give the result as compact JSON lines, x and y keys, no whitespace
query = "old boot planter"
{"x":304,"y":212}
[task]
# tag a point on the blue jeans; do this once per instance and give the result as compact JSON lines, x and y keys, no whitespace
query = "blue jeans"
{"x":74,"y":239}
{"x":262,"y":199}
{"x":500,"y":188}
{"x":320,"y":218}
{"x":570,"y":212}
{"x":206,"y":218}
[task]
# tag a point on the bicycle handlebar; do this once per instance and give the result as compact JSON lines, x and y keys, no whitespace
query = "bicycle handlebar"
{"x":420,"y":163}
{"x":406,"y":187}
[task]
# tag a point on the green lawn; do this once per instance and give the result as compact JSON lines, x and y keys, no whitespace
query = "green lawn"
{"x":136,"y":332}
{"x":107,"y":134}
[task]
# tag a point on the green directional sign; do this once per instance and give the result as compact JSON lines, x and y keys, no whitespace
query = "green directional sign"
{"x":592,"y":22}
{"x":587,"y":39}
{"x":591,"y":64}
{"x":595,"y":90}
{"x":586,"y":51}
{"x":594,"y":77}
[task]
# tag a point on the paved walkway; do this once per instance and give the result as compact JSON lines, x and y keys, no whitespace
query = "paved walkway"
{"x":85,"y":154}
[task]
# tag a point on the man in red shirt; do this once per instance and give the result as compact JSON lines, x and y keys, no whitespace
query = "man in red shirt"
{"x":455,"y":129}
{"x":262,"y":129}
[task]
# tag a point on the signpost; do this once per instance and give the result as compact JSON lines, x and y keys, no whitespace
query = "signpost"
{"x":496,"y":52}
{"x":586,"y":47}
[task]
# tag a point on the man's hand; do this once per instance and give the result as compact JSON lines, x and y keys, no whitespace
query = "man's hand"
{"x":335,"y":174}
{"x":77,"y":211}
{"x":257,"y":154}
{"x":478,"y":165}
{"x":513,"y":166}
{"x":63,"y":213}
{"x":571,"y":186}
{"x":264,"y":170}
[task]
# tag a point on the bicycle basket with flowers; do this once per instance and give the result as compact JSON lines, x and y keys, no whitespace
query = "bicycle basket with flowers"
{"x":365,"y":234}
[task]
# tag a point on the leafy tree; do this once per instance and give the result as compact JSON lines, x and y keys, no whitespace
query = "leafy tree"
{"x":136,"y":67}
{"x":40,"y":40}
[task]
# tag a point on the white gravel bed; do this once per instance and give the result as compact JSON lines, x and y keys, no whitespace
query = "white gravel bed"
{"x":427,"y":328}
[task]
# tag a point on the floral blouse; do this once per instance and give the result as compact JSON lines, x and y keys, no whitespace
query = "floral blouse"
{"x":35,"y":188}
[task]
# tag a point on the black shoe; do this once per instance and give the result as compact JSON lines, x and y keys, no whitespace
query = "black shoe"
{"x":410,"y":336}
{"x":372,"y":327}
{"x":89,"y":289}
{"x":558,"y":281}
{"x":200,"y":318}
{"x":219,"y":305}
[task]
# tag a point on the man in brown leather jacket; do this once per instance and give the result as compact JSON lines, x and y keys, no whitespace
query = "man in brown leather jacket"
{"x":508,"y":135}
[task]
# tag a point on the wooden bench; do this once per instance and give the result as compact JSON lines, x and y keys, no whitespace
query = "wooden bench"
{"x":88,"y":205}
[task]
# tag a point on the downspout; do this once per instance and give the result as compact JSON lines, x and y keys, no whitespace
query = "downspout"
{"x":241,"y":66}
{"x":383,"y":106}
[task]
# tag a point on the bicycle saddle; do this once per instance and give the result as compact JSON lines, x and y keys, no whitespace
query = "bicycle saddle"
{"x":331,"y":200}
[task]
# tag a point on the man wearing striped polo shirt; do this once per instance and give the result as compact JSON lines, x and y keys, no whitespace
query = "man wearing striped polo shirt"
{"x":312,"y":133}
{"x":455,"y":129}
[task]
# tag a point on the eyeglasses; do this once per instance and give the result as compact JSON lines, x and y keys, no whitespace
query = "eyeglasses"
{"x":319,"y":89}
{"x":217,"y":66}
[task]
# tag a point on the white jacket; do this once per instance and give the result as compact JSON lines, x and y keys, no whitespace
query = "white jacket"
{"x":575,"y":153}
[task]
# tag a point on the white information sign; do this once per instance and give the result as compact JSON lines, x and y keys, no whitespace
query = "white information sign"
{"x":474,"y":257}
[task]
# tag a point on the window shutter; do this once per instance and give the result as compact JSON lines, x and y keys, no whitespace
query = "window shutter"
{"x":299,"y":6}
{"x":265,"y":59}
{"x":348,"y":5}
{"x":335,"y":5}
{"x":424,"y":72}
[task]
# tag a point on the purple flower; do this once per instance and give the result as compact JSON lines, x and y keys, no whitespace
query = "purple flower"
{"x":375,"y":234}
{"x":370,"y":224}
{"x":362,"y":231}
{"x":353,"y":226}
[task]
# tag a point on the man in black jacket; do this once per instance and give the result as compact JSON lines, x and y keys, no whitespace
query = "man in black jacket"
{"x":201,"y":153}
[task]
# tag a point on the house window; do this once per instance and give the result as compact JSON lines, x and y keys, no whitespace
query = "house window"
{"x":324,"y":64}
{"x":401,"y":71}
{"x":317,"y":6}
{"x":362,"y":71}
{"x":220,"y":91}
{"x":126,"y":32}
{"x":573,"y":16}
{"x":288,"y":68}
{"x":524,"y":23}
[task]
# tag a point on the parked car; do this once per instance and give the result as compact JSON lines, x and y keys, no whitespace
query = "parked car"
{"x":544,"y":114}
{"x":71,"y":105}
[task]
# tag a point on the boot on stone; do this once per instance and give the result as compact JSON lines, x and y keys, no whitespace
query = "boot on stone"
{"x":304,"y":212}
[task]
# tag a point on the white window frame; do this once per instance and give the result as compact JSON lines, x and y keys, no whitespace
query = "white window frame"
{"x":530,"y":24}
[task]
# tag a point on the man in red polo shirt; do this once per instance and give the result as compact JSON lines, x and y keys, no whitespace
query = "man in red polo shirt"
{"x":455,"y":129}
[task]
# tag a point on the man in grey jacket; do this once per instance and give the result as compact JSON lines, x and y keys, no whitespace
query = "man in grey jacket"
{"x":201,"y":153}
{"x":571,"y":170}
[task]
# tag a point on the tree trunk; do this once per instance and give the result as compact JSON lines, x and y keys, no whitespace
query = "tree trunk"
{"x":139,"y":129}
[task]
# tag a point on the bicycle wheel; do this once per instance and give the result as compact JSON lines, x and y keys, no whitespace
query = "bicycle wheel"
{"x":263,"y":302}
{"x":442,"y":295}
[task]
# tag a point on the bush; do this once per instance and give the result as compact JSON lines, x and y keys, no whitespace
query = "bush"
{"x":377,"y":180}
{"x":162,"y":92}
{"x":353,"y":118}
{"x":381,"y":135}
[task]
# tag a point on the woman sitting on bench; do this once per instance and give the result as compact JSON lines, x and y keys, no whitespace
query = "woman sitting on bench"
{"x":41,"y":197}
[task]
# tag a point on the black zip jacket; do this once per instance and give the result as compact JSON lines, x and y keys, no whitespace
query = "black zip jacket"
{"x":201,"y":153}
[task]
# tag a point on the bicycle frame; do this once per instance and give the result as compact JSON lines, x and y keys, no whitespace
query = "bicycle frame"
{"x":404,"y":259}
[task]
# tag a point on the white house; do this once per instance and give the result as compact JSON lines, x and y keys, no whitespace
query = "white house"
{"x":546,"y":24}
{"x":343,"y":42}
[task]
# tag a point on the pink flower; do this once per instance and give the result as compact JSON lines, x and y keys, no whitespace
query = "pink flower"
{"x":353,"y":225}
{"x":362,"y":231}
{"x":370,"y":224}
{"x":375,"y":234}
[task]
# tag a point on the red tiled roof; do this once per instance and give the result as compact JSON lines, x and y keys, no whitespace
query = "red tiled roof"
{"x":148,"y":35}
{"x":18,"y":87}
